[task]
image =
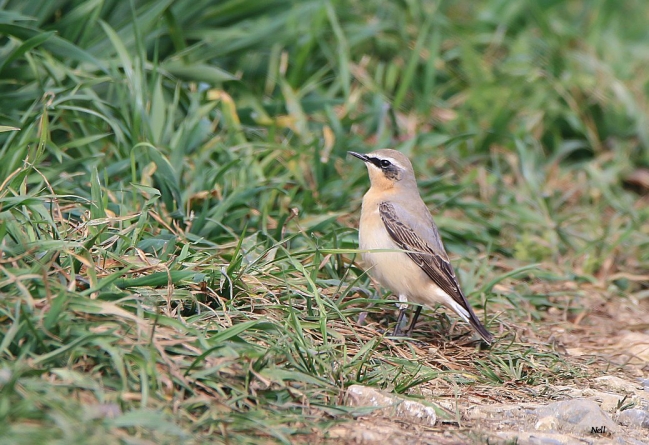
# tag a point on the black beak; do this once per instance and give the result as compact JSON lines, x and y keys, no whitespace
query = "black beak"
{"x":359,"y":156}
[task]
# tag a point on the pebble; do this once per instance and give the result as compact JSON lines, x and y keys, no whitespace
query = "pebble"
{"x":390,"y":405}
{"x":580,"y":416}
{"x":634,"y":417}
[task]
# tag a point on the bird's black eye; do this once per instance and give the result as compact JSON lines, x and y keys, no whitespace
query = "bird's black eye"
{"x":385,"y":163}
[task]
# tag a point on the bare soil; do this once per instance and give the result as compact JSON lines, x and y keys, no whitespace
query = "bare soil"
{"x":609,"y":338}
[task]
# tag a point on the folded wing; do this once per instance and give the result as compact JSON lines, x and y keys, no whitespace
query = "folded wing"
{"x":430,"y":256}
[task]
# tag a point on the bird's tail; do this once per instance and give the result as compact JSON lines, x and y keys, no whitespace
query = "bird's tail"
{"x":480,"y":329}
{"x":471,"y":318}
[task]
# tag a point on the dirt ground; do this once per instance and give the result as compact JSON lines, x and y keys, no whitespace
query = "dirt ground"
{"x":608,"y":346}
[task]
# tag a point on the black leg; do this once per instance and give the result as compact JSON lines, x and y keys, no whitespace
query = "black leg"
{"x":397,"y":328}
{"x":414,"y":320}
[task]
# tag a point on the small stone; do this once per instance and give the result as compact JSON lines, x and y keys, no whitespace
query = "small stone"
{"x":579,"y":416}
{"x":390,"y":405}
{"x":609,"y":402}
{"x":547,"y":423}
{"x":613,"y":383}
{"x":645,"y":384}
{"x":634,"y":417}
{"x":635,"y":346}
{"x":368,"y":436}
{"x":477,"y":412}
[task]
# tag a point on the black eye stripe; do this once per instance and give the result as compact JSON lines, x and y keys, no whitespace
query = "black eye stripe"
{"x":390,"y":170}
{"x":380,"y":163}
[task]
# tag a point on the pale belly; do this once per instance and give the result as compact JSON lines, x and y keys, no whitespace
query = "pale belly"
{"x":394,"y":270}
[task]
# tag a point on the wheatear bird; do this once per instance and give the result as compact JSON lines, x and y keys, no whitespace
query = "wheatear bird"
{"x":395,"y":218}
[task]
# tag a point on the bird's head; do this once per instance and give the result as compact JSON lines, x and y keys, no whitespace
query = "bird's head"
{"x":387,"y":168}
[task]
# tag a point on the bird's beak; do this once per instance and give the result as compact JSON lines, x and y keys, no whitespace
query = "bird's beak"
{"x":359,"y":156}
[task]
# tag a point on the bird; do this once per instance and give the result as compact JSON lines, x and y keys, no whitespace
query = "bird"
{"x":400,"y":243}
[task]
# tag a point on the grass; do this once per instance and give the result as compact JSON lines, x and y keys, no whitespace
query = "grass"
{"x":177,"y":211}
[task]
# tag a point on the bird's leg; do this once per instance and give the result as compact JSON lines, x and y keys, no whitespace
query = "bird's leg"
{"x":414,"y":320}
{"x":403,"y":307}
{"x":402,"y":313}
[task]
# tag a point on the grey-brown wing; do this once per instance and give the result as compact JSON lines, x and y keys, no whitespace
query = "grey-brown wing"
{"x":429,"y":254}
